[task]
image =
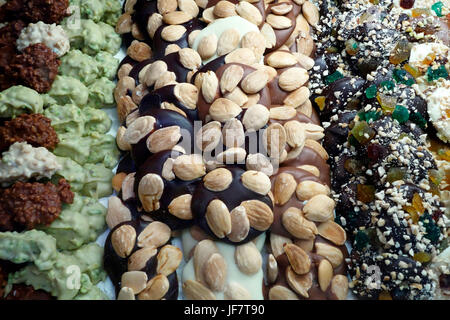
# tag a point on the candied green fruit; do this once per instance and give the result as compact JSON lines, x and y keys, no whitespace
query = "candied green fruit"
{"x":369,"y":116}
{"x":434,"y":74}
{"x":437,"y":7}
{"x":418,"y":119}
{"x":401,"y":76}
{"x":353,"y":166}
{"x":365,"y":193}
{"x":335,"y":76}
{"x":362,"y":132}
{"x":361,"y":240}
{"x":388,"y":85}
{"x":432,"y":230}
{"x":422,"y":257}
{"x":386,"y":102}
{"x":401,"y":114}
{"x":395,"y":174}
{"x":371,"y":92}
{"x":351,"y":46}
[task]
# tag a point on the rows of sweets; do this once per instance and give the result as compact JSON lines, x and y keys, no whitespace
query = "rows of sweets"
{"x":57,"y":72}
{"x":221,"y":104}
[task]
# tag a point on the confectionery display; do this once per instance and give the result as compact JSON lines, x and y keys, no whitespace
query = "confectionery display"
{"x":224,"y":149}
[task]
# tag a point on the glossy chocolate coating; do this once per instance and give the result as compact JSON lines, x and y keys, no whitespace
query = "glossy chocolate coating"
{"x":160,"y":45}
{"x":232,"y":197}
{"x":115,"y":266}
{"x":166,"y":94}
{"x":164,"y":118}
{"x":172,"y":189}
{"x":315,"y":293}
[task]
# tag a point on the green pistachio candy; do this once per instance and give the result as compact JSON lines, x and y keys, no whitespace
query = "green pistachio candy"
{"x":91,"y":37}
{"x":79,"y":223}
{"x":19,"y":99}
{"x":98,"y":183}
{"x":72,"y":273}
{"x":103,"y":149}
{"x":107,"y":64}
{"x":69,"y":90}
{"x":101,"y":93}
{"x":66,"y":120}
{"x":76,"y":64}
{"x":72,"y":172}
{"x":96,"y":120}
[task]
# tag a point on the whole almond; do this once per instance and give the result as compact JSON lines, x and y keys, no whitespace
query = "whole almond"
{"x":169,"y":258}
{"x":299,"y":283}
{"x":293,"y":78}
{"x":210,"y":84}
{"x":237,"y":96}
{"x":189,"y":167}
{"x":128,"y":187}
{"x":165,"y":6}
{"x":150,"y":190}
{"x":325,"y":273}
{"x":339,"y":286}
{"x":228,"y":40}
{"x":231,"y":78}
{"x":135,"y":280}
{"x":319,"y":208}
{"x":139,"y":51}
{"x":224,"y":9}
{"x":255,"y":81}
{"x":117,"y":180}
{"x":298,"y":258}
{"x":283,"y":188}
{"x":269,"y":35}
{"x":189,"y":58}
{"x":282,"y":113}
{"x":223,"y":110}
{"x":331,"y":253}
{"x":156,"y":289}
{"x":202,"y":252}
{"x":259,"y":214}
{"x":232,"y":156}
{"x":311,"y":13}
{"x":126,"y":294}
{"x":308,"y":189}
{"x":154,"y":235}
{"x":180,"y":207}
{"x":129,"y":6}
{"x":192,"y":36}
{"x":278,"y":22}
{"x":123,"y":240}
{"x":256,"y":181}
{"x":255,"y":117}
{"x":330,"y":230}
{"x":176,"y":17}
{"x":187,"y":94}
{"x":298,"y":97}
{"x":241,"y":55}
{"x":240,"y":224}
{"x":281,"y":59}
{"x":194,"y":290}
{"x":117,"y":212}
{"x":163,"y":139}
{"x":207,"y":46}
{"x":249,"y":12}
{"x":154,"y":71}
{"x":125,"y":106}
{"x":282,"y":9}
{"x":165,"y":79}
{"x":295,"y":133}
{"x":218,"y":218}
{"x":248,"y":258}
{"x":274,"y":139}
{"x":255,"y":41}
{"x":311,"y":169}
{"x":279,"y":292}
{"x":208,"y":137}
{"x":138,"y":260}
{"x":208,"y":15}
{"x":316,"y":146}
{"x":124,"y":24}
{"x":215,"y":272}
{"x":235,"y":291}
{"x":297,"y":225}
{"x":188,"y":6}
{"x":173,"y":33}
{"x":259,"y":162}
{"x":154,"y":22}
{"x":218,"y":180}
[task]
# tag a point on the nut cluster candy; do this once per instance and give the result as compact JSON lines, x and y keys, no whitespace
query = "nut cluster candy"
{"x":141,"y":262}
